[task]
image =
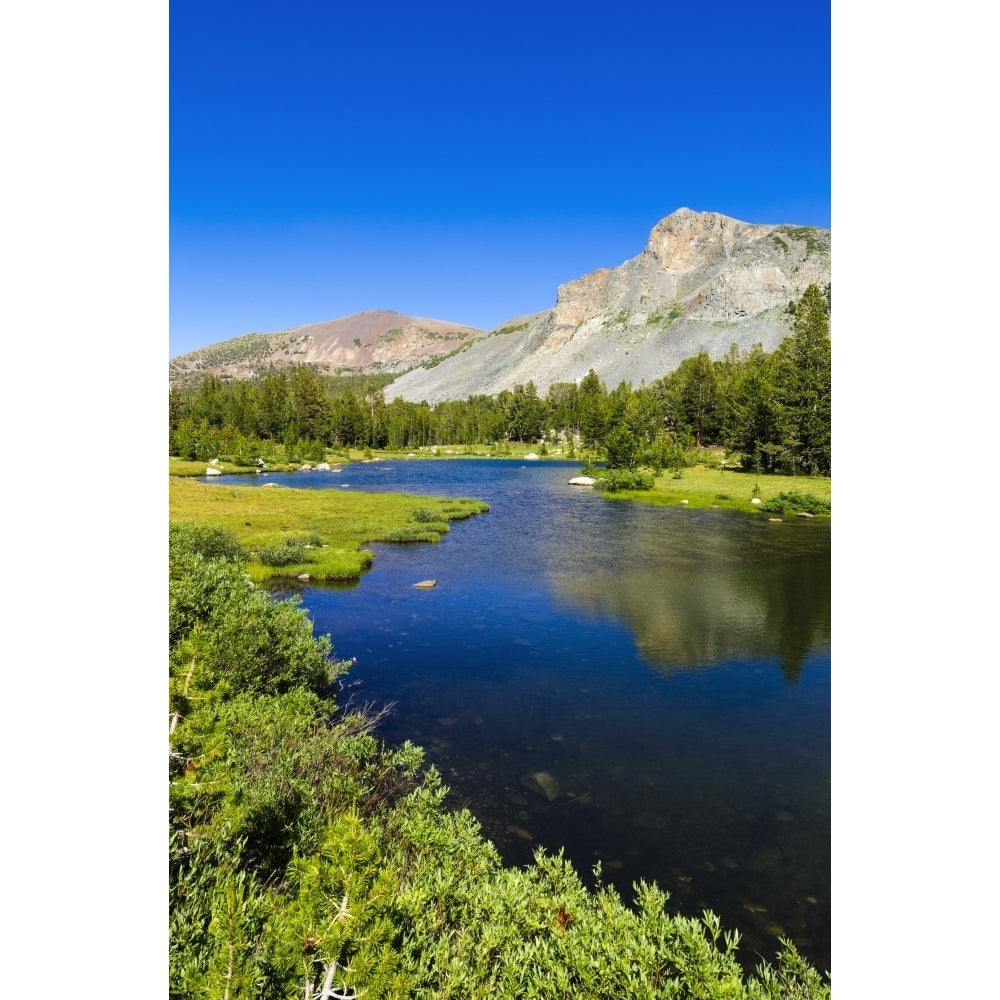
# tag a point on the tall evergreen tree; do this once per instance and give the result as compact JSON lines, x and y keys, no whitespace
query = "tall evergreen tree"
{"x":591,"y":398}
{"x":803,"y":386}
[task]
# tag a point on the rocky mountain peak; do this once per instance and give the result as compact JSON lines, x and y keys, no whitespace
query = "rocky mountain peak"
{"x":686,"y":240}
{"x":703,"y":282}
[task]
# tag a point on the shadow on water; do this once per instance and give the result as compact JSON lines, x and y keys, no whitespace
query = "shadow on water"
{"x":647,"y":687}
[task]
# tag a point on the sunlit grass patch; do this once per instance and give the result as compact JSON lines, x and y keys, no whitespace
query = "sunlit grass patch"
{"x":705,"y":487}
{"x":333,"y":524}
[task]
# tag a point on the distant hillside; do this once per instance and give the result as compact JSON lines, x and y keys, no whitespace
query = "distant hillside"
{"x":703,"y":282}
{"x":379,"y":341}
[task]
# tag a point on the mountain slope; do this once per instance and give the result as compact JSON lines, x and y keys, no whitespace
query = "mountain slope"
{"x":703,"y":282}
{"x":367,"y":342}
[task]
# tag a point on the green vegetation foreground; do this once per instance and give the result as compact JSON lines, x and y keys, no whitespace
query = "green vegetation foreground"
{"x":308,"y":858}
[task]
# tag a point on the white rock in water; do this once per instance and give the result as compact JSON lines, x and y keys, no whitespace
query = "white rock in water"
{"x":212,"y":472}
{"x":581,"y":481}
{"x":323,"y":467}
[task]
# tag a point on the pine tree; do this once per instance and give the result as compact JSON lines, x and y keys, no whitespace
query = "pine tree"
{"x":803,"y":386}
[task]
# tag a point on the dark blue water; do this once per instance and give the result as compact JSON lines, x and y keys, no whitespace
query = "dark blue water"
{"x":647,"y":687}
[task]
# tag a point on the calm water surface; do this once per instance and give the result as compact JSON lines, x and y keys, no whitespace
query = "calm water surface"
{"x":646,"y":687}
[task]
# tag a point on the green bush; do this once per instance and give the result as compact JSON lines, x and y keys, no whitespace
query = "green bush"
{"x":424,"y":515}
{"x":794,"y":502}
{"x":206,"y":540}
{"x":227,"y":636}
{"x":290,"y":552}
{"x":615,"y":480}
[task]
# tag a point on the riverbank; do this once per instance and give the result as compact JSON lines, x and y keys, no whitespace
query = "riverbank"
{"x":701,"y":486}
{"x":316,"y":534}
{"x":277,"y":463}
{"x":729,"y":489}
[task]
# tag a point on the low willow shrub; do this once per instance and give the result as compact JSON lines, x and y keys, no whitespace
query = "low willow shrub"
{"x":309,"y":858}
{"x":289,"y":552}
{"x":794,"y":502}
{"x":209,"y":541}
{"x":614,"y":480}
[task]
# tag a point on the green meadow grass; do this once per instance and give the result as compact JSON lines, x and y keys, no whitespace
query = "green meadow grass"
{"x":701,"y":486}
{"x":264,"y":516}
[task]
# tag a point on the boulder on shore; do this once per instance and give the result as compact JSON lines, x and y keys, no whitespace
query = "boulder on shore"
{"x":581,"y":481}
{"x":212,"y":472}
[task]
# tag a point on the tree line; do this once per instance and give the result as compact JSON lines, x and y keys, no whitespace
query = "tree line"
{"x":772,"y":408}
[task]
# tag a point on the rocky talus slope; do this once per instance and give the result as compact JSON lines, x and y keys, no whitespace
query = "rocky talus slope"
{"x":703,"y":282}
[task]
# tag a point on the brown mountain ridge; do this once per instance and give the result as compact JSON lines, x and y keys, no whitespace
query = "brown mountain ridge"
{"x":378,"y":340}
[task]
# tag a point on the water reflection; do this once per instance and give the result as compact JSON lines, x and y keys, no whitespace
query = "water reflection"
{"x":700,"y":596}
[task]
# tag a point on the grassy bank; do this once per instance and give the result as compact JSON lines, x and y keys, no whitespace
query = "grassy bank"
{"x":727,"y":489}
{"x":325,"y":527}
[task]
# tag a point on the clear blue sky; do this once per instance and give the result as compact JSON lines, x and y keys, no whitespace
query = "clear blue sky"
{"x":458,"y":160}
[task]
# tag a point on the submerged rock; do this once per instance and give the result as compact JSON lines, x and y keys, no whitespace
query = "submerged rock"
{"x":543,"y":783}
{"x":519,"y":831}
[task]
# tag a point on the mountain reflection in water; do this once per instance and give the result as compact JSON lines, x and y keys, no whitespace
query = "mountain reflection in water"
{"x":703,"y":597}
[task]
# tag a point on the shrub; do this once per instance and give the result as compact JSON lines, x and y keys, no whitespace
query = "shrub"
{"x":795,"y":502}
{"x":207,"y":540}
{"x":290,"y":552}
{"x":424,"y":515}
{"x":614,"y":480}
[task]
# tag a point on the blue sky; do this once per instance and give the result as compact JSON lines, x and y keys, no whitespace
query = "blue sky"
{"x":460,"y":160}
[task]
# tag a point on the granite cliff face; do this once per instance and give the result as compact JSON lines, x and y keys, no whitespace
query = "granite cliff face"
{"x":367,"y":342}
{"x":703,"y":282}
